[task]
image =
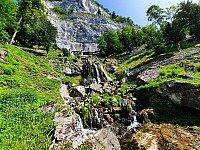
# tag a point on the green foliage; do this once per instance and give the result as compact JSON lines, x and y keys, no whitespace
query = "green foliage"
{"x":171,"y":71}
{"x":85,"y":114}
{"x":8,"y":10}
{"x":120,"y":19}
{"x":35,"y":29}
{"x":110,"y":43}
{"x":21,"y":122}
{"x":152,"y":36}
{"x":155,"y":14}
{"x":59,"y":10}
{"x":22,"y":125}
{"x":95,"y":99}
{"x":124,"y":88}
{"x":66,"y":52}
{"x":123,"y":41}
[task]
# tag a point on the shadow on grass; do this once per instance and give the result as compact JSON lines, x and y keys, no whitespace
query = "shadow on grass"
{"x":35,"y":52}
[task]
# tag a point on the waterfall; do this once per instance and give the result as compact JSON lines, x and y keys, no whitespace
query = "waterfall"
{"x":97,"y":119}
{"x":97,"y":72}
{"x":104,"y":73}
{"x":134,"y":122}
{"x":81,"y":128}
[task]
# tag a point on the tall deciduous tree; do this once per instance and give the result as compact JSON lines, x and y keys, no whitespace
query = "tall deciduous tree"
{"x":110,"y":43}
{"x":126,"y":38}
{"x":35,"y":29}
{"x":155,"y":14}
{"x":154,"y":38}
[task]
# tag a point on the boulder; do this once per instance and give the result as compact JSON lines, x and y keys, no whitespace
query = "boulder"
{"x":96,"y":87}
{"x":105,"y":139}
{"x":148,"y":75}
{"x":183,"y":93}
{"x":71,"y":71}
{"x":3,"y":54}
{"x":78,"y":91}
{"x":69,"y":133}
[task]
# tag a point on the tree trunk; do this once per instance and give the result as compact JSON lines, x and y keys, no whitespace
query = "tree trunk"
{"x":13,"y":37}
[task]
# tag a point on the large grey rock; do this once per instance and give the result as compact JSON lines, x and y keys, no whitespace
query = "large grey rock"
{"x":105,"y":139}
{"x":111,"y":66}
{"x":79,"y":32}
{"x":162,"y":137}
{"x":148,"y":75}
{"x":71,"y":71}
{"x":69,"y":131}
{"x":183,"y":93}
{"x":96,"y":87}
{"x":78,"y":91}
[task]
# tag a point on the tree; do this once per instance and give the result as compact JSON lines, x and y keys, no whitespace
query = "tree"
{"x":46,"y":35}
{"x":110,"y":43}
{"x":154,"y":38}
{"x":102,"y":45}
{"x":188,"y":14}
{"x":30,"y":12}
{"x":138,"y":36}
{"x":35,"y":28}
{"x":126,"y":38}
{"x":174,"y":33}
{"x":155,"y":14}
{"x":171,"y":12}
{"x":8,"y":23}
{"x":99,"y":12}
{"x":113,"y":16}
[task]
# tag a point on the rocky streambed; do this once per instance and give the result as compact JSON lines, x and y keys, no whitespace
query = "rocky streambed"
{"x":102,"y":114}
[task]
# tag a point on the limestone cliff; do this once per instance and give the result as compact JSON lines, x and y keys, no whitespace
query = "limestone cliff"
{"x":79,"y":30}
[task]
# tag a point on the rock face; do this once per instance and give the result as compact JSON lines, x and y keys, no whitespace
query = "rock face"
{"x":182,"y":93}
{"x":79,"y":31}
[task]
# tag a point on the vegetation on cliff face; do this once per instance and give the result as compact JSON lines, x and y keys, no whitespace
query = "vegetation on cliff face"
{"x":24,"y":87}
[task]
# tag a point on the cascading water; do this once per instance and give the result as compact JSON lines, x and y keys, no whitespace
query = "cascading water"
{"x":100,"y":67}
{"x":97,"y":74}
{"x":120,"y":117}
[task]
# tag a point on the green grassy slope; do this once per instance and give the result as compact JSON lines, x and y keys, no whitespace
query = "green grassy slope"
{"x":24,"y":87}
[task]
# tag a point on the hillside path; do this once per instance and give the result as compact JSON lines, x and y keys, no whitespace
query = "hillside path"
{"x":171,"y":60}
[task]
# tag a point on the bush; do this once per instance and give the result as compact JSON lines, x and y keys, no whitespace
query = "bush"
{"x":66,"y":52}
{"x":7,"y":69}
{"x":160,"y":49}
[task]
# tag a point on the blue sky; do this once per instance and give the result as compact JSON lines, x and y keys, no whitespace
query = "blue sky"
{"x":136,"y":9}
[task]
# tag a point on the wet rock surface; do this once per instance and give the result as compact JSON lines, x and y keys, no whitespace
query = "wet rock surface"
{"x":105,"y":117}
{"x":163,"y":136}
